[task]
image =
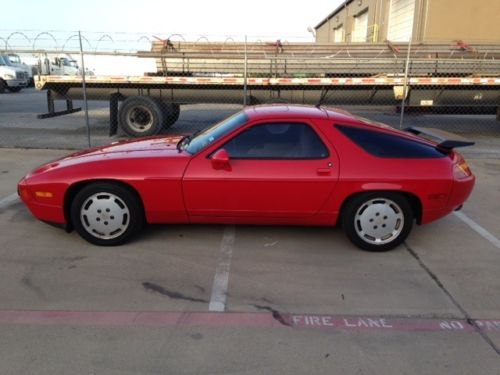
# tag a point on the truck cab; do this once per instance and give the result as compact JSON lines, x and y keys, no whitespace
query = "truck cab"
{"x":12,"y":78}
{"x":15,"y":60}
{"x":59,"y":66}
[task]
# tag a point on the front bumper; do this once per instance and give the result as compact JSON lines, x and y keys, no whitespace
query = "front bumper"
{"x":43,"y":210}
{"x":16,"y":83}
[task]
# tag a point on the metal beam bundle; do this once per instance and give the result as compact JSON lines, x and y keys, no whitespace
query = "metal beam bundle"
{"x":278,"y":59}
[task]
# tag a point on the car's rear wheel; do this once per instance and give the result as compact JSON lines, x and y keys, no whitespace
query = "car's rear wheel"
{"x":377,"y":221}
{"x":106,"y":214}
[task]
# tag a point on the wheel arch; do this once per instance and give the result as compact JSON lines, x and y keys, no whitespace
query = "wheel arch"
{"x":3,"y":85}
{"x":413,"y":199}
{"x":73,"y":190}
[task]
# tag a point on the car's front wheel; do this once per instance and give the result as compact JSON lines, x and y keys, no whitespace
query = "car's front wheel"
{"x":106,"y":214}
{"x":377,"y":221}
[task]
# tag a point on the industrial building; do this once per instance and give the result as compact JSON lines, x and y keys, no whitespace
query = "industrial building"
{"x":424,"y":21}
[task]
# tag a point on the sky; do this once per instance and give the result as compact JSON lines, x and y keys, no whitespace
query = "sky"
{"x":279,"y":19}
{"x":130,"y":25}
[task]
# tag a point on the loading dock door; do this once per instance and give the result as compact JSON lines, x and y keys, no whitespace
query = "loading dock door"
{"x":401,"y":15}
{"x":338,"y":34}
{"x":360,"y":30}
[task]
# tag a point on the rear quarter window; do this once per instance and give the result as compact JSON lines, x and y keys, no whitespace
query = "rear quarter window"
{"x":385,"y":145}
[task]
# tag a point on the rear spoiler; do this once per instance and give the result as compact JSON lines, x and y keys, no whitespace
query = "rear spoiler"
{"x":444,"y":139}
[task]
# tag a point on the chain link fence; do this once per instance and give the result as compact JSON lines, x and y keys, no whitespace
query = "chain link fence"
{"x":92,"y":88}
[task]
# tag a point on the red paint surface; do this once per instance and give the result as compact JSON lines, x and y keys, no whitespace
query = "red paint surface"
{"x":176,"y":187}
{"x":243,"y":320}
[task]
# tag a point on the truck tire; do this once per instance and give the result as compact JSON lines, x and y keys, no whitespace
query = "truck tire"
{"x":141,"y":116}
{"x":3,"y":86}
{"x":171,"y":112}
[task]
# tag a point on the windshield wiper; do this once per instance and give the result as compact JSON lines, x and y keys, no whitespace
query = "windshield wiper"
{"x":181,"y":142}
{"x":186,"y":140}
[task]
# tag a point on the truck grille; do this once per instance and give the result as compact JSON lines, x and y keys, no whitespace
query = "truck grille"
{"x":20,"y":75}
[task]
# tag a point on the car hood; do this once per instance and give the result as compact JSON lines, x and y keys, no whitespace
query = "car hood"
{"x":137,"y":148}
{"x":142,"y":145}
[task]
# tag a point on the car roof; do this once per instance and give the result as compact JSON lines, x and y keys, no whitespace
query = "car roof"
{"x":284,"y":111}
{"x":338,"y":116}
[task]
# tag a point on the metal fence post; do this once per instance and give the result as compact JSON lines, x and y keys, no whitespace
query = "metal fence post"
{"x":84,"y":87}
{"x":245,"y":70}
{"x":405,"y":85}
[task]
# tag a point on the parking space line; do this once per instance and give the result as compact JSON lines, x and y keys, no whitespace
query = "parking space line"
{"x":8,"y":201}
{"x":478,"y":229}
{"x":221,"y":277}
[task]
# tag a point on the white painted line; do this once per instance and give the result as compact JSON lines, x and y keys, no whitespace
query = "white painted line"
{"x":221,"y":278}
{"x":8,"y":201}
{"x":479,"y":229}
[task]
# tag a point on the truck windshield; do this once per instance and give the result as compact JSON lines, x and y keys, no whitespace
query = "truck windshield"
{"x":68,"y":62}
{"x":216,"y":132}
{"x":14,"y":59}
{"x":5,"y":60}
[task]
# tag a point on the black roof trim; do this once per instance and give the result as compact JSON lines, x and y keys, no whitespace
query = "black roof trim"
{"x":331,"y":15}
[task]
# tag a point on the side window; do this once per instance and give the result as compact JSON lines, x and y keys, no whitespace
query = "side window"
{"x":277,"y":141}
{"x":389,"y":146}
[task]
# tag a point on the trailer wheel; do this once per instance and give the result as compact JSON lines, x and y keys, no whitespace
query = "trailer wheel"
{"x":171,"y":112}
{"x":141,"y":116}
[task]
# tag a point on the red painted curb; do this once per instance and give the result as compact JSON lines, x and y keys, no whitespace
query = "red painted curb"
{"x":242,"y":319}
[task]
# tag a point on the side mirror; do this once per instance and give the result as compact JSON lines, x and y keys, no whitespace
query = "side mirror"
{"x":220,"y":160}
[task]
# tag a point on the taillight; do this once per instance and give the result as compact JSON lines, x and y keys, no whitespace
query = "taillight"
{"x":461,"y":169}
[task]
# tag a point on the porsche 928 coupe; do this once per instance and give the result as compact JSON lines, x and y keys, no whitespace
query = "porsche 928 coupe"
{"x":265,"y":165}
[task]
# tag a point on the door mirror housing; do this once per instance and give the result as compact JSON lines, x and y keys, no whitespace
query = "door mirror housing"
{"x":220,"y":160}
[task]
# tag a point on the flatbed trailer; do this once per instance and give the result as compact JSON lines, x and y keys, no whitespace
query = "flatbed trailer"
{"x":461,"y":81}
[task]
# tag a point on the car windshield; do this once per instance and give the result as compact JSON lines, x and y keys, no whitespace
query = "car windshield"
{"x":215,"y":132}
{"x":1,"y":61}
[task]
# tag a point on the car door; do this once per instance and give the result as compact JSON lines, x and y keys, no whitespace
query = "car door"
{"x":275,"y":170}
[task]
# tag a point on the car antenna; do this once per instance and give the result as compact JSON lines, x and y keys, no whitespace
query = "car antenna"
{"x":324,"y":92}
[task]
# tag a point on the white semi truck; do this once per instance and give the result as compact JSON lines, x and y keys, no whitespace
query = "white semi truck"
{"x":58,"y":66}
{"x":12,"y":78}
{"x":16,"y":61}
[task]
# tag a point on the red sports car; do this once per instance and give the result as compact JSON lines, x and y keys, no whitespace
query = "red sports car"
{"x":270,"y":165}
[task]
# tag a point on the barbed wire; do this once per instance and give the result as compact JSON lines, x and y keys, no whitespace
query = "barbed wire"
{"x":57,"y":40}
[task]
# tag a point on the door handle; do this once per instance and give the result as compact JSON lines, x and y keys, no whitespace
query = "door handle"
{"x":324,"y":171}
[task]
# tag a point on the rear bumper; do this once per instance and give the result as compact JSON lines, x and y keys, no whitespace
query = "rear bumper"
{"x":460,"y":191}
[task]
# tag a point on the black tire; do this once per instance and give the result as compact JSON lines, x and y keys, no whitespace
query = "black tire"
{"x":378,"y":221}
{"x":3,"y":86}
{"x":14,"y":89}
{"x":106,"y":214}
{"x":141,"y":116}
{"x":171,"y":113}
